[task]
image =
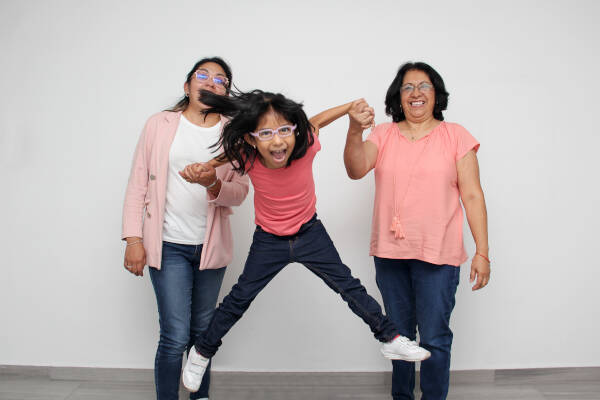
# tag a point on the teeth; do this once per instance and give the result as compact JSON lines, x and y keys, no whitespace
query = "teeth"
{"x":278,"y":155}
{"x":417,"y":103}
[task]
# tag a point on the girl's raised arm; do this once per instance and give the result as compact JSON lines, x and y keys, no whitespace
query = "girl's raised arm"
{"x":326,"y":117}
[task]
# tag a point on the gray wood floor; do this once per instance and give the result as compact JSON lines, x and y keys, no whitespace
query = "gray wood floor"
{"x":37,"y":383}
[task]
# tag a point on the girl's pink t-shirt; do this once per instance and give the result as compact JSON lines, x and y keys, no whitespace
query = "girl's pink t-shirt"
{"x":284,"y":198}
{"x":417,"y":212}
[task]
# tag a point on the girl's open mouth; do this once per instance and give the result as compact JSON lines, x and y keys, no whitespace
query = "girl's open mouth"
{"x":279,"y":155}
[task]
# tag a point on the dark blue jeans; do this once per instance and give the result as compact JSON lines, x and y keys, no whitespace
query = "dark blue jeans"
{"x":417,"y":293}
{"x":186,"y":299}
{"x":268,"y":255}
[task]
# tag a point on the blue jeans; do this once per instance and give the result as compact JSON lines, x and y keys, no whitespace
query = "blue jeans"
{"x":268,"y":255}
{"x":186,"y":299}
{"x":417,"y":293}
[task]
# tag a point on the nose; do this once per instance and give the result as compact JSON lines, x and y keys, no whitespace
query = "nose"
{"x":416,"y":92}
{"x":276,"y":139}
{"x":209,"y":83}
{"x":416,"y":97}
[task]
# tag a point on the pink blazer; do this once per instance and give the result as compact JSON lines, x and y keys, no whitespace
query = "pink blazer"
{"x":143,"y":211}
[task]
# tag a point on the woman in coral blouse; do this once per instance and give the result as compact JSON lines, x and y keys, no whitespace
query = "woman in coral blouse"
{"x":423,"y":167}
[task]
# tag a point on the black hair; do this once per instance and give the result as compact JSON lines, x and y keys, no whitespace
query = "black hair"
{"x":244,"y":111}
{"x":393,"y":107}
{"x":182,"y":104}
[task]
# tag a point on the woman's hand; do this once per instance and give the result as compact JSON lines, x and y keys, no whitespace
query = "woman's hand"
{"x":202,"y":173}
{"x":359,"y":156}
{"x":480,"y":271}
{"x":135,"y":256}
{"x":362,"y":116}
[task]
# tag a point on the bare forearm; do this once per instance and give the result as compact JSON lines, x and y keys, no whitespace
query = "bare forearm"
{"x":215,"y":189}
{"x":477,"y":218}
{"x":355,"y":158}
{"x":328,"y":116}
{"x":219,"y":160}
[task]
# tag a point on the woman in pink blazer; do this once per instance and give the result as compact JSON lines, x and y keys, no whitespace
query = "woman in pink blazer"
{"x":182,"y":229}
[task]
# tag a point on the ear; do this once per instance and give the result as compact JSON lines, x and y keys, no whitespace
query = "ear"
{"x":250,"y":140}
{"x":186,"y":88}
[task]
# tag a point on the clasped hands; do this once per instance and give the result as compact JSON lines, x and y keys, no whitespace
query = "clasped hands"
{"x":202,"y":173}
{"x":362,"y":116}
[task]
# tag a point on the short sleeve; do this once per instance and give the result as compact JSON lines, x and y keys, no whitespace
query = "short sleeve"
{"x":376,"y":136}
{"x":465,"y":142}
{"x":316,"y":146}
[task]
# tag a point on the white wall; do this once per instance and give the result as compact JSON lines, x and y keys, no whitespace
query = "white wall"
{"x":79,"y":78}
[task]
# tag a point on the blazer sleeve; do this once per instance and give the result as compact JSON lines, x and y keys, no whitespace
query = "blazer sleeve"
{"x":234,"y":187}
{"x":137,"y":187}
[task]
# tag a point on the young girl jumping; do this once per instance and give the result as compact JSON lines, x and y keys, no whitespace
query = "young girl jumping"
{"x":270,"y":138}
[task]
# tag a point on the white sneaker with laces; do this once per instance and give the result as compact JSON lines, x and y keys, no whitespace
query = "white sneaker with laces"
{"x":194,"y":370}
{"x":401,"y":348}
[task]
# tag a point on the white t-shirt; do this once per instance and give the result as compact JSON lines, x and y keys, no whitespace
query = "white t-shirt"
{"x":185,"y":209}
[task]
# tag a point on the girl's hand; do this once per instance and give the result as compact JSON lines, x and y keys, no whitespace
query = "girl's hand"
{"x":362,"y":116}
{"x":135,"y":256}
{"x":480,"y":270}
{"x":202,"y":173}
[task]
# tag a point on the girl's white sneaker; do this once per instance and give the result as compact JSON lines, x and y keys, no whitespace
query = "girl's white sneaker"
{"x":194,"y":370}
{"x":402,"y":348}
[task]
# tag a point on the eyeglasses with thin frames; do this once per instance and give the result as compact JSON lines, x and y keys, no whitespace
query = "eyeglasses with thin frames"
{"x":202,"y":75}
{"x":267,"y":134}
{"x":423,"y":87}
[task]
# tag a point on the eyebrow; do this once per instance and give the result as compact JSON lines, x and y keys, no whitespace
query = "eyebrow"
{"x":273,"y":129}
{"x":207,"y":71}
{"x":410,"y":83}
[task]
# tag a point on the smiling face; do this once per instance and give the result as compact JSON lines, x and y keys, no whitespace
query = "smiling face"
{"x":275,"y":152}
{"x":417,"y":104}
{"x":195,"y":85}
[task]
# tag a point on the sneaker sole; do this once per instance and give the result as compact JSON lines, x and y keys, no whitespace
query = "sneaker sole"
{"x":394,"y":356}
{"x":187,"y":388}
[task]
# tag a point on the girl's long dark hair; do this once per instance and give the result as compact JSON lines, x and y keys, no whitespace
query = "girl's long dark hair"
{"x":244,"y":111}
{"x":184,"y":101}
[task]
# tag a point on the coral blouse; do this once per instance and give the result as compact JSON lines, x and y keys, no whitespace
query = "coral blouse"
{"x":417,"y":212}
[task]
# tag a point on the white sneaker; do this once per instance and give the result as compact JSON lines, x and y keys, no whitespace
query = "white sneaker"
{"x":402,"y":348}
{"x":194,"y":370}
